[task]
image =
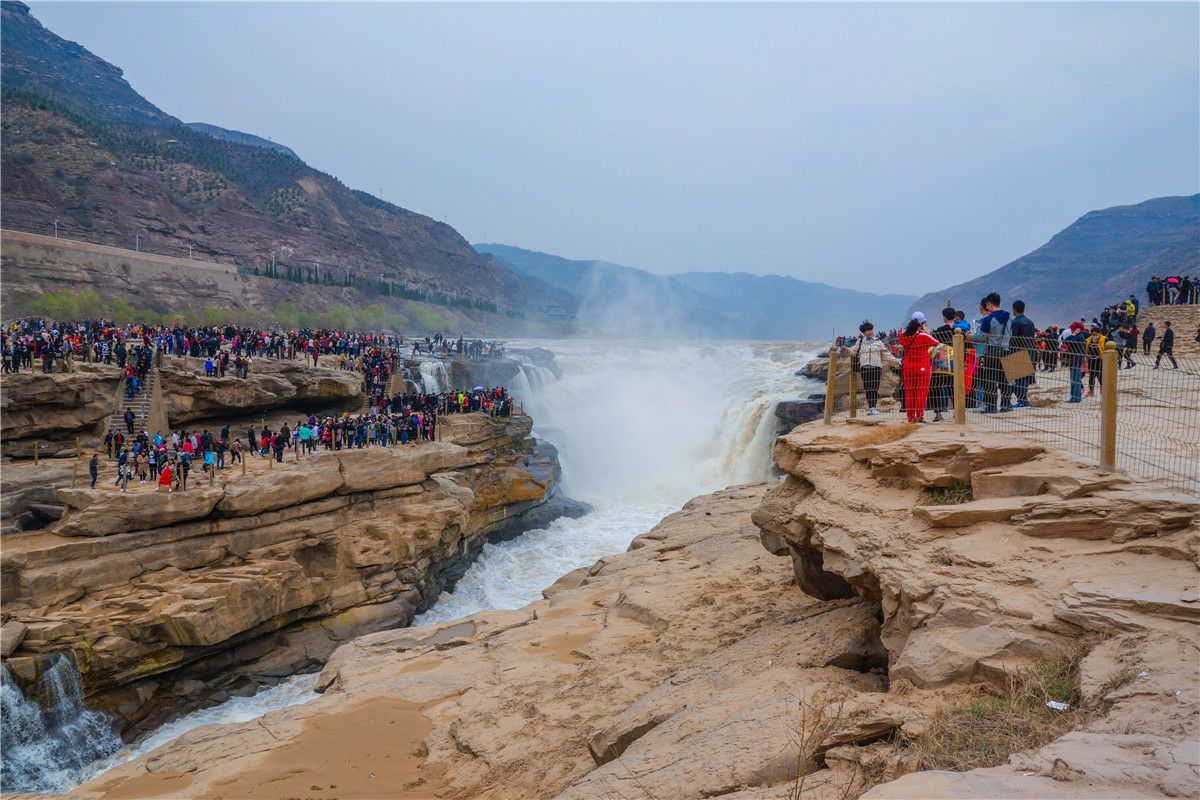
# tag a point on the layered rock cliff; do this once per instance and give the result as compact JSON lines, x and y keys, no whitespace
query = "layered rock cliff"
{"x":167,"y":598}
{"x":698,"y":664}
{"x":56,"y":407}
{"x":1047,"y":555}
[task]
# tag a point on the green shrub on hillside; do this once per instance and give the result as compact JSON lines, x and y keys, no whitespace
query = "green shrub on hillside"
{"x":67,"y":304}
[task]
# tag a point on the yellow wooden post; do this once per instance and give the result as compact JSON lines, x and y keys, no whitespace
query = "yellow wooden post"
{"x":75,"y":470}
{"x":853,"y":391}
{"x":830,"y":385}
{"x":960,"y":381}
{"x":1108,"y":407}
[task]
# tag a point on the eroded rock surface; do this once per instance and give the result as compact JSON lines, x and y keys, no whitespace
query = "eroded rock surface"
{"x":676,"y":669}
{"x":261,"y":574}
{"x":1050,"y":553}
{"x":58,"y":406}
{"x":694,"y":666}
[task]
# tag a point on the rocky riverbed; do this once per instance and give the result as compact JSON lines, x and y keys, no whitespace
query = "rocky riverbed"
{"x":701,"y":664}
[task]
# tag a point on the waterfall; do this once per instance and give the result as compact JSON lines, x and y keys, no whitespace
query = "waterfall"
{"x":641,"y":427}
{"x":529,"y":379}
{"x":55,"y":747}
{"x":435,"y":376}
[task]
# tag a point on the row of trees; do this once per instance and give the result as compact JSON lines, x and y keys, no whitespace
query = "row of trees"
{"x":72,"y":305}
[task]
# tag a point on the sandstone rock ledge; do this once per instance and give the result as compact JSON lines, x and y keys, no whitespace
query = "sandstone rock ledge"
{"x":673,"y":670}
{"x":163,"y":598}
{"x":1048,"y":554}
{"x":692,"y":666}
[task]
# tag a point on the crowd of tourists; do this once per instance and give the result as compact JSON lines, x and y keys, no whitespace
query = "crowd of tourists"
{"x":168,"y":460}
{"x":1173,"y":290}
{"x":402,"y":420}
{"x":25,"y":342}
{"x":1004,"y":350}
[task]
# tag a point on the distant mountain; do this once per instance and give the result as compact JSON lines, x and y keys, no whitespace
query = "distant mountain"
{"x":217,"y":132}
{"x":80,"y":146}
{"x":777,"y":307}
{"x":618,"y":299}
{"x":1099,"y":259}
{"x":36,"y":59}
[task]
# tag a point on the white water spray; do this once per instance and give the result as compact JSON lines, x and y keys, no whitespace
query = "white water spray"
{"x":54,"y":748}
{"x":641,"y":429}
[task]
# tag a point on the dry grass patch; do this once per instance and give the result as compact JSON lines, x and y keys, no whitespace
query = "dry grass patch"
{"x":986,"y":731}
{"x":882,"y":434}
{"x":955,"y":493}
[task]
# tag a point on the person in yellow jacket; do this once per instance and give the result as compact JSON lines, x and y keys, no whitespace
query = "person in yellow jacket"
{"x":1093,"y":347}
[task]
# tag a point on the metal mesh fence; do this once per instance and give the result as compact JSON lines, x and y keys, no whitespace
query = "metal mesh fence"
{"x":1057,"y":399}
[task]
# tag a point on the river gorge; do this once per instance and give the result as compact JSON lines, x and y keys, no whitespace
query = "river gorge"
{"x":640,"y":428}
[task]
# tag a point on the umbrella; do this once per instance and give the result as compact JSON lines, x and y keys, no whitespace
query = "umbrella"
{"x":477,"y":389}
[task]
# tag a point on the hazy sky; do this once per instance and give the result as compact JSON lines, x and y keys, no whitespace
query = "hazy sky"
{"x":888,"y":147}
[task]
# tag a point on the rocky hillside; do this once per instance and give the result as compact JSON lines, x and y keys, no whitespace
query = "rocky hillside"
{"x":698,"y":664}
{"x":616,"y":299}
{"x":1099,"y":259}
{"x":82,"y":146}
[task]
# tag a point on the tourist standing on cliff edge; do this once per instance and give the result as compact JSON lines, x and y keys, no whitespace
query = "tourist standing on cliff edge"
{"x":917,"y":370}
{"x":872,"y":355}
{"x":994,"y":333}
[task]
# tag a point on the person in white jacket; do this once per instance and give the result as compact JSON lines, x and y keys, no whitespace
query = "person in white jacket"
{"x":872,"y":355}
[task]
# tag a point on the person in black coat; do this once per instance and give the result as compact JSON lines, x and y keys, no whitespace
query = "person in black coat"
{"x":1024,"y":337}
{"x":1167,"y":347}
{"x":1148,"y":337}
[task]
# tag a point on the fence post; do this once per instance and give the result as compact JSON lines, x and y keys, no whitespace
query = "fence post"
{"x":960,"y":381}
{"x":1108,"y":407}
{"x":830,"y":385}
{"x":35,"y":452}
{"x":853,"y":386}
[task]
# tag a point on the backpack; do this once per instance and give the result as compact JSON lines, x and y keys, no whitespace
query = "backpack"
{"x":941,"y":356}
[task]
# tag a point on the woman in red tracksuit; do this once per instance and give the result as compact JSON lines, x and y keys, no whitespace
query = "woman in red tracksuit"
{"x":917,"y":367}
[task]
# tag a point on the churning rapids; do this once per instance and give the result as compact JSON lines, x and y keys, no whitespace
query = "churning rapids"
{"x":641,"y":428}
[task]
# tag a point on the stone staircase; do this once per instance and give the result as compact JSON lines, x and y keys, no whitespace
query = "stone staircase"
{"x":1184,"y":320}
{"x":140,"y":405}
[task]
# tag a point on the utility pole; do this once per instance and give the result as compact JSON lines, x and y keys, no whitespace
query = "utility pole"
{"x":137,"y":241}
{"x":56,"y":219}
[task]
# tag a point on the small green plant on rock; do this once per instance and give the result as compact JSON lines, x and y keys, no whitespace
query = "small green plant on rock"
{"x":954,"y":494}
{"x":986,"y":731}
